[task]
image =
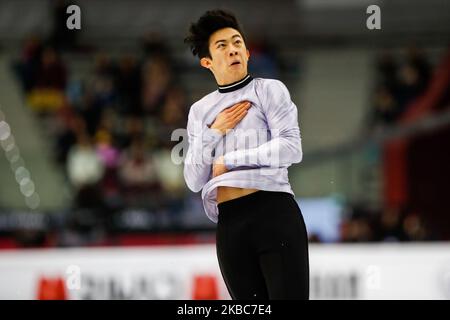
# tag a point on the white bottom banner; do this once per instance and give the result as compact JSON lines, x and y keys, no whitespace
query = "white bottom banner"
{"x":375,"y":271}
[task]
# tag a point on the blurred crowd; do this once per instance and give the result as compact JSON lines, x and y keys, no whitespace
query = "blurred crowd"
{"x":390,"y":225}
{"x":399,"y":80}
{"x":111,"y":129}
{"x":402,"y":79}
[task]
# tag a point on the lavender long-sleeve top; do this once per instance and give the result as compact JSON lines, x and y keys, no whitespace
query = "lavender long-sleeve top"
{"x":257,"y":152}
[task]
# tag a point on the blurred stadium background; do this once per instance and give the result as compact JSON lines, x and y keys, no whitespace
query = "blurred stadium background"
{"x":92,"y":207}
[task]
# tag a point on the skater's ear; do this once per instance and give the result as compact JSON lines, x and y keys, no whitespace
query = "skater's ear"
{"x":206,"y":62}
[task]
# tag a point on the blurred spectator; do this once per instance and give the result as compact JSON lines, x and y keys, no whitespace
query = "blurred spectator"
{"x":27,"y":67}
{"x":386,"y":109}
{"x":363,"y":230}
{"x":347,"y":231}
{"x":85,"y":171}
{"x":411,"y":85}
{"x":105,"y":147}
{"x":109,"y":157}
{"x":314,"y":238}
{"x":84,"y":166}
{"x":99,"y":98}
{"x":172,"y":181}
{"x":418,"y":60}
{"x":156,"y":79}
{"x":130,"y":129}
{"x":138,"y":174}
{"x":414,"y":228}
{"x":52,"y":71}
{"x":170,"y":174}
{"x":174,"y":110}
{"x":49,"y":83}
{"x":390,"y":226}
{"x":104,"y":66}
{"x":128,"y":80}
{"x":263,"y":60}
{"x":386,"y":67}
{"x":356,"y":230}
{"x":100,"y":94}
{"x":68,"y":129}
{"x":103,"y":93}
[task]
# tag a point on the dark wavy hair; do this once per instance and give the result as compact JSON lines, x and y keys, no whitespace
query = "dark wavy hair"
{"x":207,"y":24}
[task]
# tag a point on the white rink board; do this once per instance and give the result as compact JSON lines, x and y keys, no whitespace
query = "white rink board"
{"x":337,"y":271}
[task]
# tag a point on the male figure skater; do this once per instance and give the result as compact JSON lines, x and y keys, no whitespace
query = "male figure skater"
{"x":262,"y":244}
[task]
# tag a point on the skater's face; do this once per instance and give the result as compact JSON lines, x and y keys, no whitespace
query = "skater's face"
{"x":229,"y":56}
